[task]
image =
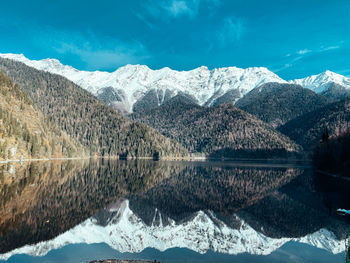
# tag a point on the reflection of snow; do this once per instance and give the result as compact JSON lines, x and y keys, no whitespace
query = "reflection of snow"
{"x":126,"y":232}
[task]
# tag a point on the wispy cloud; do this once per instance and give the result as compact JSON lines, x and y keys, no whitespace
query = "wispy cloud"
{"x":299,"y":55}
{"x":95,"y":52}
{"x":289,"y":64}
{"x":230,"y":31}
{"x":97,"y":57}
{"x":321,"y":49}
{"x":328,"y":48}
{"x":171,"y":9}
{"x":178,"y":8}
{"x":304,"y":51}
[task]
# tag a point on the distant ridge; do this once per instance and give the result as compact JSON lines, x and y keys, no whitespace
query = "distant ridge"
{"x":277,"y":103}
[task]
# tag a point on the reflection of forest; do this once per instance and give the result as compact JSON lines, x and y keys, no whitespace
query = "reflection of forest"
{"x":43,"y":199}
{"x":276,"y":202}
{"x":224,"y":190}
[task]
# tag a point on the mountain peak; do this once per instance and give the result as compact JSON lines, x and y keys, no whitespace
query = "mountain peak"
{"x":321,"y":82}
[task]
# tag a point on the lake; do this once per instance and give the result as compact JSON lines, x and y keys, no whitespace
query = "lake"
{"x":77,"y":211}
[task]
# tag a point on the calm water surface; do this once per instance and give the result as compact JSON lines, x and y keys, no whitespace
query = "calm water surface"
{"x":76,"y":211}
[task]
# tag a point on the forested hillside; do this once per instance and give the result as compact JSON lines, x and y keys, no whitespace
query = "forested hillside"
{"x":307,"y":129}
{"x":277,"y":103}
{"x":332,"y":155}
{"x":24,"y":130}
{"x":223,"y":130}
{"x":87,"y":119}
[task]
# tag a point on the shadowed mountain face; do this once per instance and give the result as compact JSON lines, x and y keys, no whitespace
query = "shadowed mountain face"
{"x":277,"y":103}
{"x":336,"y":92}
{"x":85,"y":118}
{"x":307,"y":129}
{"x":220,"y":131}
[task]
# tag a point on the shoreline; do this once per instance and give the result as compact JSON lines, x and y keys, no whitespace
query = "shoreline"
{"x":43,"y":159}
{"x":275,"y":162}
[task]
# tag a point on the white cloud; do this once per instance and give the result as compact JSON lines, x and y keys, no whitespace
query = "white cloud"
{"x":321,"y":49}
{"x":170,"y":9}
{"x":230,"y":31}
{"x":304,"y":51}
{"x":178,"y":8}
{"x":300,"y":55}
{"x":278,"y":68}
{"x":95,"y":52}
{"x":328,"y":48}
{"x":95,"y":57}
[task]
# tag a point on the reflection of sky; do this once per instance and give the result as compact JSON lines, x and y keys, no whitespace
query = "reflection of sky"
{"x":289,"y":253}
{"x":291,"y":38}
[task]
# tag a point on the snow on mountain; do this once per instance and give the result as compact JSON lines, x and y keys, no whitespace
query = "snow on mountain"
{"x":126,"y":232}
{"x":321,"y":82}
{"x":132,"y":82}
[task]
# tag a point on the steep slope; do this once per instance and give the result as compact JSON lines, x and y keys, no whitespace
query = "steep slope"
{"x":134,"y":82}
{"x":336,"y":92}
{"x":307,"y":129}
{"x":323,"y":82}
{"x":222,"y":130}
{"x":87,"y":119}
{"x":24,"y":130}
{"x":277,"y":103}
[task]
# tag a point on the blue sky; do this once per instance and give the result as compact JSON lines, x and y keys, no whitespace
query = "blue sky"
{"x":292,"y":38}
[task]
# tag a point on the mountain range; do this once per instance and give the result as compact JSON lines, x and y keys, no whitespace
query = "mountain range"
{"x":224,"y":112}
{"x":133,"y":85}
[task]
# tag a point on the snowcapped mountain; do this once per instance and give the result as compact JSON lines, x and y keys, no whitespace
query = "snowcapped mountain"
{"x":136,"y":87}
{"x":131,"y":83}
{"x":127,"y":232}
{"x":322,"y":82}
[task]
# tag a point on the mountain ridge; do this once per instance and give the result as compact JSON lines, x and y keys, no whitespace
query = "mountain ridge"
{"x":219,"y":131}
{"x":87,"y":119}
{"x":131,"y":83}
{"x":278,"y":103}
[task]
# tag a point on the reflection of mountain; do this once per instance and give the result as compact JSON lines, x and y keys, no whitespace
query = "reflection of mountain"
{"x":42,"y":200}
{"x":126,"y":232}
{"x":220,"y":207}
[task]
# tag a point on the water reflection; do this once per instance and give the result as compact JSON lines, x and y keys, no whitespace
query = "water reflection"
{"x":217,"y":187}
{"x":44,"y":199}
{"x":41,"y":200}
